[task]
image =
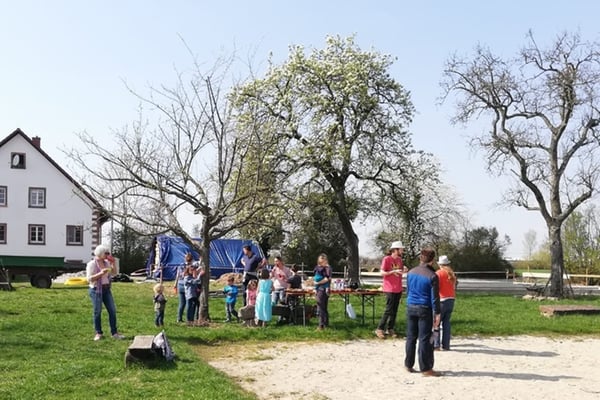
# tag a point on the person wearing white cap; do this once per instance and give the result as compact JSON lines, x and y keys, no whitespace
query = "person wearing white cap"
{"x":447,"y":279}
{"x":392,"y":268}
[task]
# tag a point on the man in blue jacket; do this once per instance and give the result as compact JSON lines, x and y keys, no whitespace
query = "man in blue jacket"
{"x":422,"y":313}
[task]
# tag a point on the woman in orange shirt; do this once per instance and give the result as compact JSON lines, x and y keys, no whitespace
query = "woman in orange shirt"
{"x":447,"y":279}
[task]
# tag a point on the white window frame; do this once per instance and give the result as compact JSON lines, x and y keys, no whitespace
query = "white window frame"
{"x":3,"y":196}
{"x":3,"y":233}
{"x":73,"y":231}
{"x":36,"y":234}
{"x":37,"y":197}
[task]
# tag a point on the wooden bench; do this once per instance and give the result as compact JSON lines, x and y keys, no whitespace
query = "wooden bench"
{"x":247,"y":315}
{"x":538,"y":290}
{"x":565,"y":309}
{"x":281,"y":310}
{"x":142,"y":350}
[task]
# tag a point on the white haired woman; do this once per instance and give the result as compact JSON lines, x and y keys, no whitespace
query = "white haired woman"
{"x":98,"y":273}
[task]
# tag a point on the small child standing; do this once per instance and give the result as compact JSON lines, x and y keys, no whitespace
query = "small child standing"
{"x":247,"y":312}
{"x":264,"y":309}
{"x":231,"y":292}
{"x":251,"y":292}
{"x":160,"y":302}
{"x":191,"y":281}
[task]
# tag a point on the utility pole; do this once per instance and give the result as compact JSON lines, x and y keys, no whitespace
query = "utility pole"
{"x":112,"y":220}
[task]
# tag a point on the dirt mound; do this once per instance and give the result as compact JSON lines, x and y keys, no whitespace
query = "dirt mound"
{"x":237,"y":278}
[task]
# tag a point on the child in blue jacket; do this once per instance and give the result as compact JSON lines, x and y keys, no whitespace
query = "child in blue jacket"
{"x":231,"y":292}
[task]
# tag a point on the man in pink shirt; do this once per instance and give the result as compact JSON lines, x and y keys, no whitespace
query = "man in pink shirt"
{"x":392,"y":268}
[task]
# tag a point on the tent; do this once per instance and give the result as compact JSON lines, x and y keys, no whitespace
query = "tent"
{"x":169,"y":252}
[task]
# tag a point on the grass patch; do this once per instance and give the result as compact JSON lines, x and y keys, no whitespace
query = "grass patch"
{"x":48,"y":352}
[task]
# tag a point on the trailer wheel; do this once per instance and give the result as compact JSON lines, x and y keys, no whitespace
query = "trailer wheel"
{"x":41,"y":281}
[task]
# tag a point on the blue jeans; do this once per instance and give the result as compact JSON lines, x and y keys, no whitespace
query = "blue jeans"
{"x":159,"y":318}
{"x":192,"y":304}
{"x":419,"y":322}
{"x":182,"y":302}
{"x":230,"y":310}
{"x":447,"y":306}
{"x":105,"y":297}
{"x":277,"y":296}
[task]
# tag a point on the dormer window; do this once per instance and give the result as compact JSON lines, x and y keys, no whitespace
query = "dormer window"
{"x":17,"y":160}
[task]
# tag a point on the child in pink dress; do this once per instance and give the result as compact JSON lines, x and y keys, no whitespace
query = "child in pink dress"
{"x":251,"y":292}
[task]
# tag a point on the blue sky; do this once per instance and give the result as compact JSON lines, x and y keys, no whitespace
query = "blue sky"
{"x":64,"y":64}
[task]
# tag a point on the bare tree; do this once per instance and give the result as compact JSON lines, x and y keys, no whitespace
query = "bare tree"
{"x":543,"y":109}
{"x":186,"y":160}
{"x":421,"y":213}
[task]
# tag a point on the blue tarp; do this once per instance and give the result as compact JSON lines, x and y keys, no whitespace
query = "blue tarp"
{"x":225,"y":255}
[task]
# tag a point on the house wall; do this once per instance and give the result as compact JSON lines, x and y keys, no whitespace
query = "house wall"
{"x":63,"y":206}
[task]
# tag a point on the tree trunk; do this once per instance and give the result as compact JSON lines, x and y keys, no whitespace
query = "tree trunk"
{"x":556,"y":261}
{"x":353,"y":260}
{"x":352,"y":240}
{"x":204,"y":311}
{"x":341,"y":209}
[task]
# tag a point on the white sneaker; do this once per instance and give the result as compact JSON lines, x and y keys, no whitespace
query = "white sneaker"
{"x":97,"y":337}
{"x":118,"y":336}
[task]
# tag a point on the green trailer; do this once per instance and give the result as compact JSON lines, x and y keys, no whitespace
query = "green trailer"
{"x":40,"y":270}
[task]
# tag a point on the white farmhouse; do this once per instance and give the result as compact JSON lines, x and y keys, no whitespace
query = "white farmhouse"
{"x":48,"y":222}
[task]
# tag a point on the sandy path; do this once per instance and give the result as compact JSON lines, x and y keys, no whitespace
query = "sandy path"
{"x":495,"y":368}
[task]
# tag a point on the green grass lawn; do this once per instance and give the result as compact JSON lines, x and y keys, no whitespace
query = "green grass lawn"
{"x":48,"y":352}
